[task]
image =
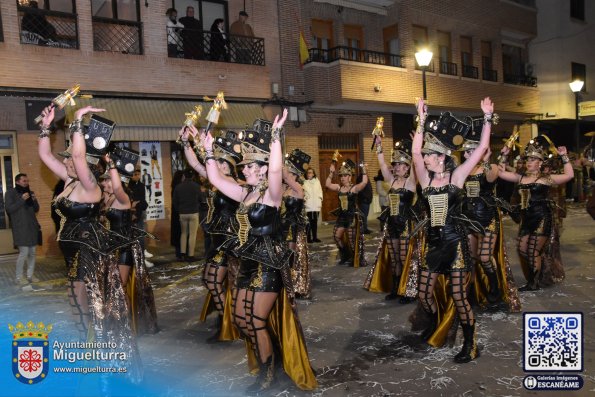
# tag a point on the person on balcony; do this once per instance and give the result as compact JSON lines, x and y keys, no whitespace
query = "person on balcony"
{"x":191,"y":35}
{"x":174,"y":42}
{"x":219,"y":40}
{"x":243,"y":45}
{"x":35,"y":22}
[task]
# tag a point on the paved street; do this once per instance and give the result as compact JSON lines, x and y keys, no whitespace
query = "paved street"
{"x":359,"y":344}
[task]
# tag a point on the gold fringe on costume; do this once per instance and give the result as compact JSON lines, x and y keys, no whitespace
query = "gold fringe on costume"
{"x":300,"y":273}
{"x":408,"y":286}
{"x":285,"y":328}
{"x":140,"y":293}
{"x":356,"y":247}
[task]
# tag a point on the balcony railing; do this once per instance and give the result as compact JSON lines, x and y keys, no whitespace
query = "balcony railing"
{"x":48,"y":28}
{"x":470,"y":71}
{"x":212,"y":46}
{"x":528,"y":81}
{"x":115,"y":35}
{"x":430,"y":67}
{"x":354,"y":54}
{"x":489,"y":75}
{"x":449,"y":68}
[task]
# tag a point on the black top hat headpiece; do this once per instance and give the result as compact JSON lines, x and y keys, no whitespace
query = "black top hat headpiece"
{"x":538,"y":147}
{"x":125,"y":160}
{"x":402,"y":152}
{"x":298,"y":162}
{"x":347,"y":168}
{"x":445,"y":135}
{"x":256,"y":142}
{"x":228,"y":148}
{"x":474,"y":136}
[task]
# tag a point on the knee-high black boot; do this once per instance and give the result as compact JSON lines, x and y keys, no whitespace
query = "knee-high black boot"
{"x":431,"y":328}
{"x":469,"y":351}
{"x":532,"y":282}
{"x":266,"y":376}
{"x":393,"y":292}
{"x":493,"y":294}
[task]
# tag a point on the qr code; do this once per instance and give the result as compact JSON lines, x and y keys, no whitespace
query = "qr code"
{"x":553,"y":342}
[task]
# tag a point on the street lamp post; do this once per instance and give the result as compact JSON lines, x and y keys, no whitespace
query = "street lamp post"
{"x":423,"y":58}
{"x":576,"y":86}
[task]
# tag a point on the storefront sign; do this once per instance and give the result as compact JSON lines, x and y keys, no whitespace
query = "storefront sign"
{"x":152,"y":178}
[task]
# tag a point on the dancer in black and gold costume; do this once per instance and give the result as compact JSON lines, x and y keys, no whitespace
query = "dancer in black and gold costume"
{"x":263,"y":294}
{"x":220,"y":267}
{"x":398,"y":221}
{"x":348,"y":233}
{"x":294,"y":221}
{"x":446,"y":246}
{"x":487,"y":245}
{"x":536,"y":207}
{"x":117,"y":215}
{"x":94,"y":285}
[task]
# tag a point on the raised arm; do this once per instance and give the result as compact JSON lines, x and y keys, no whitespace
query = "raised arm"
{"x":185,"y":133}
{"x":329,"y":180}
{"x":275,"y":189}
{"x":119,"y":192}
{"x":503,"y":173}
{"x":568,"y":170}
{"x":360,"y":186}
{"x":461,"y":173}
{"x":411,"y":182}
{"x":491,"y":170}
{"x":386,"y":174}
{"x":227,"y":186}
{"x":79,"y":150}
{"x":290,"y":180}
{"x":418,"y":138}
{"x":44,"y":148}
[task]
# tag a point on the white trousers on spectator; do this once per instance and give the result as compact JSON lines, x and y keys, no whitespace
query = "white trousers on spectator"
{"x":25,"y":253}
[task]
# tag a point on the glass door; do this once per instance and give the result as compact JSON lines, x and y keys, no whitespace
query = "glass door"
{"x":8,"y":169}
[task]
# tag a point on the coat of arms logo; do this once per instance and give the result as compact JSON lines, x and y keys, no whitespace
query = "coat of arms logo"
{"x":30,"y":351}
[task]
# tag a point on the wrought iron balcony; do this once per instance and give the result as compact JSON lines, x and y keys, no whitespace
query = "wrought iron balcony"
{"x":116,"y":35}
{"x":354,"y":54}
{"x":48,"y":28}
{"x":490,"y":75}
{"x":448,"y":68}
{"x":528,"y":81}
{"x":212,"y":46}
{"x":470,"y":71}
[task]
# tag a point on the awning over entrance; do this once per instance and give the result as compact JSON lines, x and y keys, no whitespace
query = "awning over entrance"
{"x":160,"y":120}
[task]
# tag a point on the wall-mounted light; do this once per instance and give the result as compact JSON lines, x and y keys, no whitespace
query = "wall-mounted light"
{"x":340,"y":121}
{"x":377,"y":88}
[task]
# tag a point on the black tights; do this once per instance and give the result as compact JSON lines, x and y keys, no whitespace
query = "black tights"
{"x":214,"y":278}
{"x":398,"y":251}
{"x":251,"y":310}
{"x":77,"y":297}
{"x":530,"y":248}
{"x":427,"y":282}
{"x":313,"y":225}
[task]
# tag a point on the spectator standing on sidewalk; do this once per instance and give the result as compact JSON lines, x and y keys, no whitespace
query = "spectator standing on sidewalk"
{"x":364,"y":199}
{"x":139,"y":206}
{"x":313,"y":204}
{"x":186,"y":202}
{"x":21,"y":206}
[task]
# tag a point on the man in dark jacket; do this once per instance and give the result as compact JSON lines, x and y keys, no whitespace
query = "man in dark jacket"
{"x":364,"y":199}
{"x":21,"y":206}
{"x":187,"y":202}
{"x":139,"y":206}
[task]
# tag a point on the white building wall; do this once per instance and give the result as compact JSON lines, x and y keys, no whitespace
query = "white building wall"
{"x":561,"y":40}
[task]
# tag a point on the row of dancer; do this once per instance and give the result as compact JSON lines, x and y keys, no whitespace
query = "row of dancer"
{"x":446,"y":233}
{"x":109,"y":288}
{"x":258,"y":262}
